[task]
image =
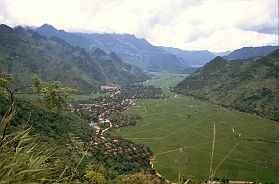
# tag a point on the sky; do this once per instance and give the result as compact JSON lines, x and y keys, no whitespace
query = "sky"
{"x":215,"y":25}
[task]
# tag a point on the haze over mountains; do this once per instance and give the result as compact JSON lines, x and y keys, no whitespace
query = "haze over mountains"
{"x":193,"y":58}
{"x":141,"y":53}
{"x":138,"y":52}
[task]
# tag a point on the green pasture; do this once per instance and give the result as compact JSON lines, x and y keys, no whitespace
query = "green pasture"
{"x":179,"y":130}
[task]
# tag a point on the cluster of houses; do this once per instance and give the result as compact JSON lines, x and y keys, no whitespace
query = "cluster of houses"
{"x":118,"y":99}
{"x":104,"y":113}
{"x":104,"y":107}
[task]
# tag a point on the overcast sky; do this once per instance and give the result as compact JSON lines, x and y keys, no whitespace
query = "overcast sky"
{"x":215,"y":25}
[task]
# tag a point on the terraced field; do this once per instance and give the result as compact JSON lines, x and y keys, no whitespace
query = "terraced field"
{"x":179,"y":130}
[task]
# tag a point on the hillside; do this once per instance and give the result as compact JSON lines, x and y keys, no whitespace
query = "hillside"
{"x":136,"y":51}
{"x":68,"y":138}
{"x":115,"y":70}
{"x":249,"y":86}
{"x":193,"y":58}
{"x":24,"y":53}
{"x":248,"y":52}
{"x":50,"y":127}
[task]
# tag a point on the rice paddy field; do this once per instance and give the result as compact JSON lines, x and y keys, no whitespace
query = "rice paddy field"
{"x":180,"y":132}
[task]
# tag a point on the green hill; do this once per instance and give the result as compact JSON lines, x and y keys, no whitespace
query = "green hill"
{"x":115,"y":70}
{"x":24,"y":53}
{"x":246,"y":85}
{"x":50,"y":127}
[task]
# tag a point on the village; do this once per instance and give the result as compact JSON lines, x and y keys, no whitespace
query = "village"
{"x":103,"y":114}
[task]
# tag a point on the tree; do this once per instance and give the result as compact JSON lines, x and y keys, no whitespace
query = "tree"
{"x":51,"y":95}
{"x":7,"y":91}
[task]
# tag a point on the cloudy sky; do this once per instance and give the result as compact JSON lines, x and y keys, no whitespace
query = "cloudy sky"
{"x":215,"y":25}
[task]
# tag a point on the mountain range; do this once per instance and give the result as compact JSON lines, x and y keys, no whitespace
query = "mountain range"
{"x":246,"y":85}
{"x":23,"y":53}
{"x":141,"y":53}
{"x":248,"y":52}
{"x":138,"y":52}
{"x":193,"y":58}
{"x":81,"y":60}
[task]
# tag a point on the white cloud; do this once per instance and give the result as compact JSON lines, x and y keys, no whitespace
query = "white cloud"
{"x":215,"y":25}
{"x":233,"y":38}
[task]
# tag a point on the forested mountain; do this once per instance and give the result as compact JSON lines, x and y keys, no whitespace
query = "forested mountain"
{"x":136,"y":51}
{"x":247,"y":85}
{"x":24,"y":53}
{"x":115,"y":70}
{"x":248,"y":52}
{"x":193,"y":58}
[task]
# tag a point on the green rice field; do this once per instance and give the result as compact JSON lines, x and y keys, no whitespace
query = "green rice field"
{"x":180,"y":130}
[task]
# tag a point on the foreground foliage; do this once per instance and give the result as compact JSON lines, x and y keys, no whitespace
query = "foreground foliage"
{"x":23,"y":160}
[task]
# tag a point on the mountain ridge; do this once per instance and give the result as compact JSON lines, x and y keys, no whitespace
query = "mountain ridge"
{"x":248,"y":52}
{"x":136,"y":51}
{"x":246,"y":85}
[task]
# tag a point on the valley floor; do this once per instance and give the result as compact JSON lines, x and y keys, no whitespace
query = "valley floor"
{"x":179,"y":131}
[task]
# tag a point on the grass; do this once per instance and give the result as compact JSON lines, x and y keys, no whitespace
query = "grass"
{"x":24,"y":161}
{"x":183,"y":144}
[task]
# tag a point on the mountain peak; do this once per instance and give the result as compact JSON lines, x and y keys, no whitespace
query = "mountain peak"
{"x":48,"y":27}
{"x":4,"y":29}
{"x":218,"y":58}
{"x":114,"y":56}
{"x":100,"y":52}
{"x":215,"y":64}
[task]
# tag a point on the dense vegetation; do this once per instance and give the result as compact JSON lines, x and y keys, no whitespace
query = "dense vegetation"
{"x":49,"y":126}
{"x":24,"y":53}
{"x":121,"y":156}
{"x":249,"y":86}
{"x":115,"y":70}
